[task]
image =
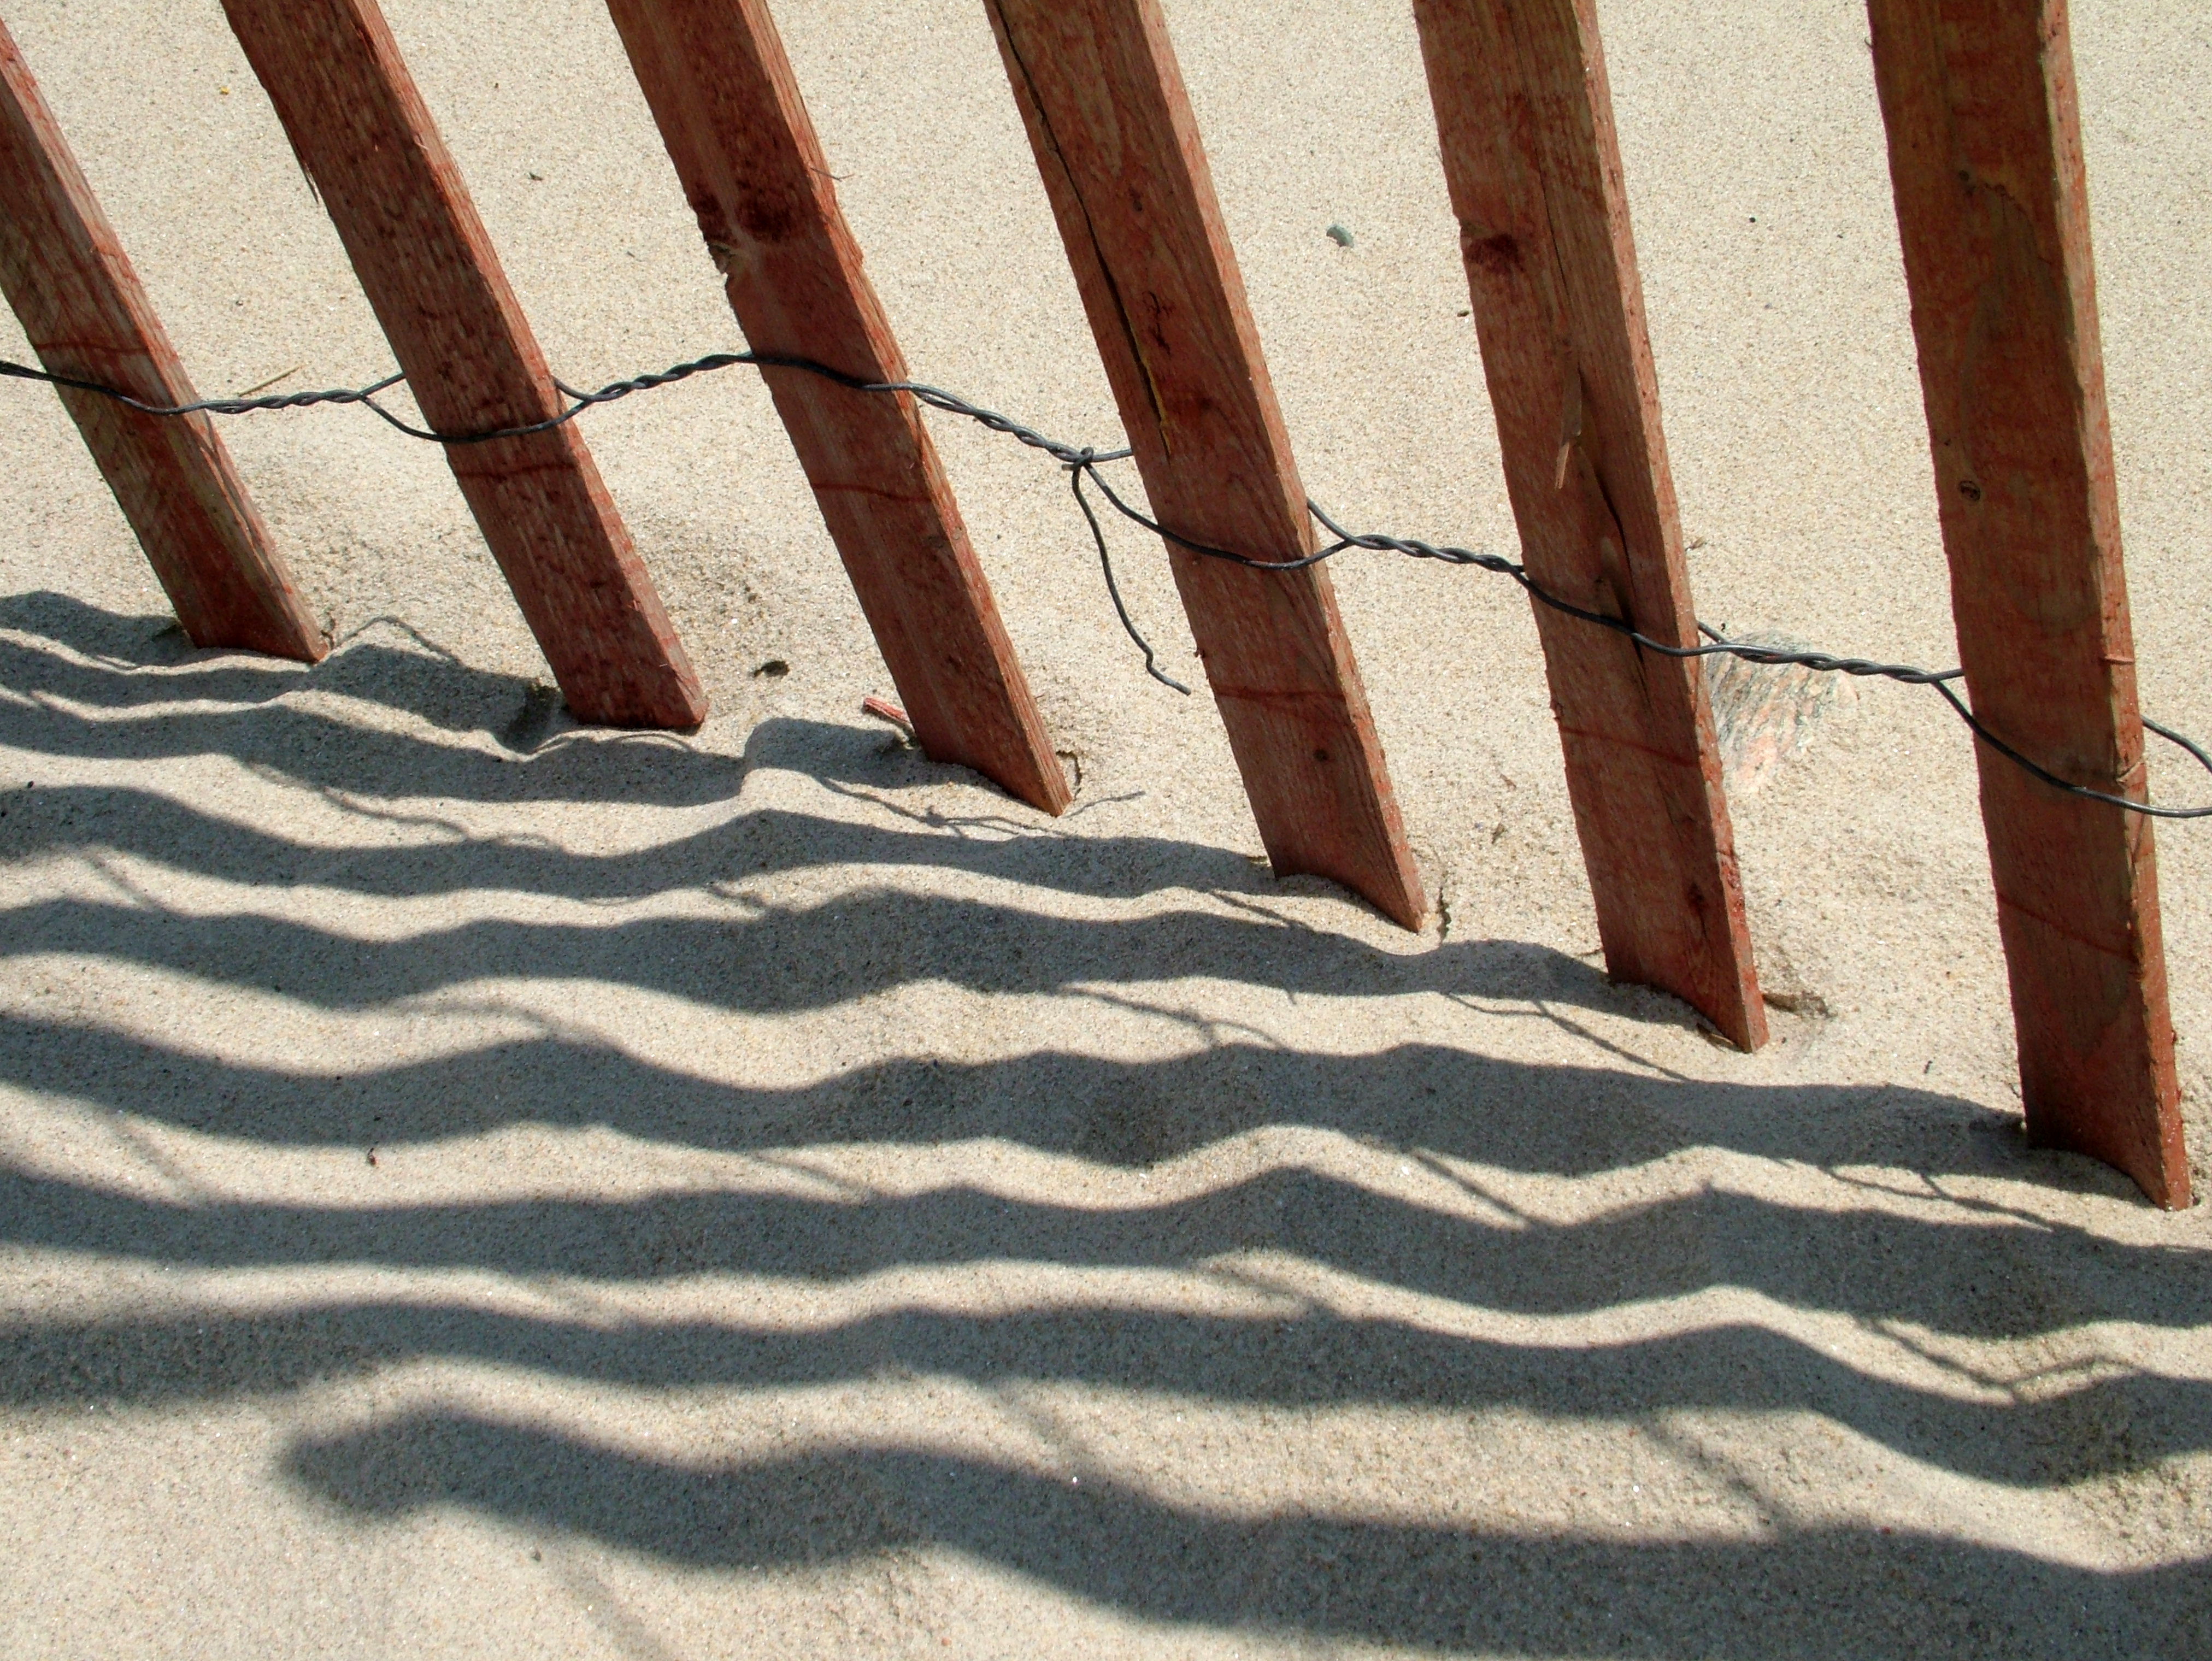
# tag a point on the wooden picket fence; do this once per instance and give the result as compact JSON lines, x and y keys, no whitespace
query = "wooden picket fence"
{"x":1985,"y":159}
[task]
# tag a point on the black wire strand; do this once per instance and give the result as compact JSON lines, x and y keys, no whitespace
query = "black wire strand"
{"x":1084,"y":463}
{"x":1075,"y":472}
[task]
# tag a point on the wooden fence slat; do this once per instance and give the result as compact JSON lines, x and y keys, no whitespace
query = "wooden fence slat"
{"x":1992,"y":207}
{"x":87,"y":316}
{"x":1534,"y":170}
{"x":364,"y":137}
{"x":1111,"y":124}
{"x":720,"y":87}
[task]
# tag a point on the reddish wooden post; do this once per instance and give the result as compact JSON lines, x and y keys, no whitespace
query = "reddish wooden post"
{"x":85,"y":315}
{"x":365,"y":138}
{"x":722,"y":90}
{"x":1111,"y":124}
{"x":1533,"y":168}
{"x":1992,"y":207}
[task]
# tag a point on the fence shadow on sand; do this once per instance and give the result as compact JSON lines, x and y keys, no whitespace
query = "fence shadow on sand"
{"x":83,"y":689}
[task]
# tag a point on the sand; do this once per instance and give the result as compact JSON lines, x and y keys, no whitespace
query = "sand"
{"x":474,"y":1186}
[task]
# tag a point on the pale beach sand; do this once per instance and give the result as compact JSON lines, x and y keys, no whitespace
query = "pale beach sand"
{"x":819,"y":1207}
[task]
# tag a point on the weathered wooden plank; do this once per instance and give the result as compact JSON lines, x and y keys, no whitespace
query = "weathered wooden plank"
{"x":363,"y":133}
{"x":720,"y":87}
{"x":87,"y":316}
{"x":1533,"y":169}
{"x":1111,"y":124}
{"x":1992,"y":207}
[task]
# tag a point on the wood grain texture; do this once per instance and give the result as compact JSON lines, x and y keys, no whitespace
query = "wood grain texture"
{"x":720,"y":87}
{"x":1992,"y":206}
{"x":1111,"y":124}
{"x":368,"y":142}
{"x":1533,"y":169}
{"x":86,"y":315}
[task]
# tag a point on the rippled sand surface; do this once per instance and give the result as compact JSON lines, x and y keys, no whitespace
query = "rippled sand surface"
{"x":471,"y":1185}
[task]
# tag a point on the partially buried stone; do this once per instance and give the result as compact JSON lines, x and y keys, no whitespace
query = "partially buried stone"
{"x":533,"y":720}
{"x":1764,"y":713}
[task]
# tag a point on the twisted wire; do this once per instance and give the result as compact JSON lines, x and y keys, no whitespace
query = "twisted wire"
{"x":1082,"y":464}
